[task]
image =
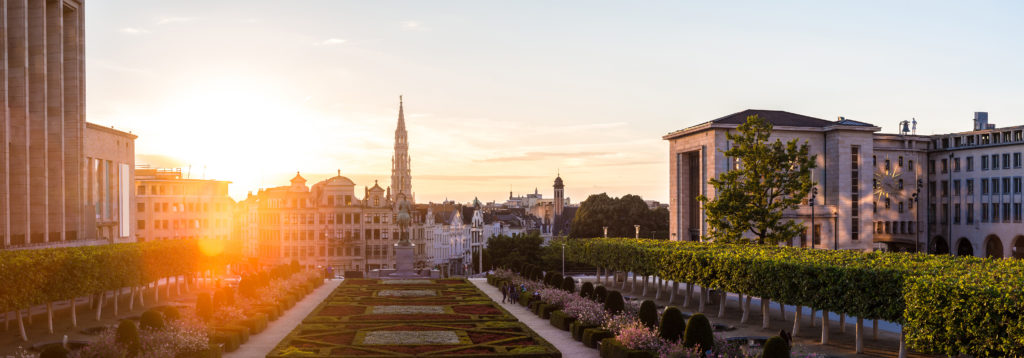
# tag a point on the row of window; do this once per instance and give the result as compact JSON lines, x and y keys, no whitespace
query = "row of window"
{"x":988,"y":162}
{"x":181,"y":207}
{"x":1008,"y":185}
{"x":332,"y":200}
{"x":182,"y":224}
{"x":855,"y":192}
{"x":193,"y":237}
{"x":980,"y":139}
{"x":176,"y":189}
{"x":990,"y":213}
{"x":895,"y":227}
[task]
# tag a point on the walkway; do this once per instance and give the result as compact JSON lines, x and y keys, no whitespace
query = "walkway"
{"x":559,"y":338}
{"x":261,"y":344}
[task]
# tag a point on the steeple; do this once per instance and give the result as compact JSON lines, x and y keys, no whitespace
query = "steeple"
{"x":401,"y":171}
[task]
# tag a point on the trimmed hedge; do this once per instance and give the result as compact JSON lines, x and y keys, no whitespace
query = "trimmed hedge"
{"x":947,"y":304}
{"x":577,"y":330}
{"x":612,"y":348}
{"x":593,"y":335}
{"x":560,"y":320}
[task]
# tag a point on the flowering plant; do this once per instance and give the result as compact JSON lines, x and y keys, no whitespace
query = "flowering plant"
{"x":186,"y":335}
{"x":585,"y":311}
{"x":636,"y":335}
{"x":616,"y":323}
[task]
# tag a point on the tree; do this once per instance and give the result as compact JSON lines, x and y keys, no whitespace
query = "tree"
{"x":770,"y":177}
{"x":619,"y":215}
{"x":513,"y":251}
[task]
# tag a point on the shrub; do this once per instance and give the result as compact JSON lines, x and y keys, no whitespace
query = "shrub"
{"x":560,"y":320}
{"x":587,"y":290}
{"x":569,"y":284}
{"x":128,"y":337}
{"x":672,"y":324}
{"x":171,"y":313}
{"x":600,"y":294}
{"x":593,"y":335}
{"x":614,"y":303}
{"x":649,"y":314}
{"x":54,"y":351}
{"x":547,"y":278}
{"x":698,"y":333}
{"x":775,"y":347}
{"x":223,"y":297}
{"x":204,"y":306}
{"x":151,"y":319}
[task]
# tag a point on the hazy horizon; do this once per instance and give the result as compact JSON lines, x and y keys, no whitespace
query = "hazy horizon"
{"x":502,"y":96}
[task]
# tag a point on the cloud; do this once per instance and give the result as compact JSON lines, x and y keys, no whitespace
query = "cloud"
{"x":134,"y":31}
{"x":171,"y":20}
{"x":331,"y":42}
{"x":532,"y":156}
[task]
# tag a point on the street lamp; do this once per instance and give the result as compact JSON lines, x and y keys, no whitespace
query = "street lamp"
{"x":606,"y":232}
{"x":949,"y":203}
{"x":637,"y":227}
{"x":917,"y":215}
{"x":563,"y":259}
{"x":814,"y":195}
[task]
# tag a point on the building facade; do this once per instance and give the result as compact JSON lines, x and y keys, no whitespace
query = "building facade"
{"x":108,"y":193}
{"x":169,"y":206}
{"x":327,"y":223}
{"x":900,"y":192}
{"x":43,"y":115}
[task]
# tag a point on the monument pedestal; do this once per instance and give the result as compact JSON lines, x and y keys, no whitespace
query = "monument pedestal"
{"x":405,"y":259}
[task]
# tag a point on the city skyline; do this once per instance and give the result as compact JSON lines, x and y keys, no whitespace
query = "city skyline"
{"x":493,"y":106}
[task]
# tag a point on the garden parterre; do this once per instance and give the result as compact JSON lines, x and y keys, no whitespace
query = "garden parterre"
{"x":371,"y":318}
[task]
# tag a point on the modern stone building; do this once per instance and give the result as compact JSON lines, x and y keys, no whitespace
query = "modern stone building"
{"x":57,"y":186}
{"x":969,"y":184}
{"x":171,"y":206}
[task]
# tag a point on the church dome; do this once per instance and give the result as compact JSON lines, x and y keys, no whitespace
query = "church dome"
{"x":558,"y":182}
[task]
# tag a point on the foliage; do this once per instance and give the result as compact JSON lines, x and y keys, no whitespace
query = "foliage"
{"x":672,"y":324}
{"x":619,"y":215}
{"x":128,"y":337}
{"x":179,"y":338}
{"x":569,"y":284}
{"x":649,"y":314}
{"x":151,"y":319}
{"x":638,"y":336}
{"x":698,"y":333}
{"x":514,"y":251}
{"x":54,"y":351}
{"x":587,"y":290}
{"x":775,"y":347}
{"x":614,"y":304}
{"x":772,"y":177}
{"x":204,"y":306}
{"x":600,"y":294}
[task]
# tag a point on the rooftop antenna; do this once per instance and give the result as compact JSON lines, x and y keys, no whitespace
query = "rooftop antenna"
{"x":914,"y":121}
{"x":188,"y":174}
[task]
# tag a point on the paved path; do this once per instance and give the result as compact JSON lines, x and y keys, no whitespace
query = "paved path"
{"x":562,"y":340}
{"x":261,"y":344}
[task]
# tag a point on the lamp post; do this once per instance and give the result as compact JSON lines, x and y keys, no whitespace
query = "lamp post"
{"x":563,"y":259}
{"x":814,"y":195}
{"x":949,"y":203}
{"x":915,"y":198}
{"x":606,"y":232}
{"x":637,"y":227}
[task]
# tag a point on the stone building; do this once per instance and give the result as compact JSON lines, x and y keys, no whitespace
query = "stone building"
{"x":170,"y":206}
{"x":848,"y":153}
{"x":52,"y":192}
{"x":328,"y":224}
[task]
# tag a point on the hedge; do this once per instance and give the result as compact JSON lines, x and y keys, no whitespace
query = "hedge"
{"x":33,"y":277}
{"x":946,"y":304}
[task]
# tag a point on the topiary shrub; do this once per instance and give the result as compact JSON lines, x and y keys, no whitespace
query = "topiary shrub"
{"x":600,"y":294}
{"x":556,"y":280}
{"x":587,"y":290}
{"x":614,"y":303}
{"x":569,"y":285}
{"x":171,"y":313}
{"x":698,"y":333}
{"x":229,"y":296}
{"x":547,"y":278}
{"x":54,"y":351}
{"x":151,"y":319}
{"x":127,"y":336}
{"x":775,"y":347}
{"x":649,"y":314}
{"x":204,"y":306}
{"x":672,"y":324}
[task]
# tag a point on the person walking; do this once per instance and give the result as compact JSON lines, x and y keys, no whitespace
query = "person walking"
{"x":504,"y":292}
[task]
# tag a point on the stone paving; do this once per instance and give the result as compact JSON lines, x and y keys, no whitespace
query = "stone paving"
{"x":559,"y":338}
{"x":261,"y":344}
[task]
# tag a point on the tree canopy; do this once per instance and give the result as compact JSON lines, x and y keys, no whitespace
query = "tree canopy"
{"x":619,"y":215}
{"x":513,"y":251}
{"x":769,"y":177}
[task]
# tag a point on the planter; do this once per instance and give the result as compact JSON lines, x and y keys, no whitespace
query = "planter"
{"x":241,"y":331}
{"x":561,"y":321}
{"x":593,"y":335}
{"x":272,"y":312}
{"x":577,"y":330}
{"x":546,"y":309}
{"x":611,"y":348}
{"x":256,"y":323}
{"x":524,"y":299}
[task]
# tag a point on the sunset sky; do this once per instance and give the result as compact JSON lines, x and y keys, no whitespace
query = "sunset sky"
{"x":502,"y":96}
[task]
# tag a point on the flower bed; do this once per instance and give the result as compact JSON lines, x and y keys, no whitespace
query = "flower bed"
{"x":459,"y":321}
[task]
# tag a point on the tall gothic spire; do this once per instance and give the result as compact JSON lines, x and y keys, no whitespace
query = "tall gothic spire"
{"x":401,"y":171}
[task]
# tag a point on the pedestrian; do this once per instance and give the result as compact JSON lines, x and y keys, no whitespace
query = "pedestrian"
{"x":504,"y":292}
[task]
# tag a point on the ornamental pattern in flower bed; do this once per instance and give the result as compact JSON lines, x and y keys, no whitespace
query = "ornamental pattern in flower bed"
{"x":398,"y":311}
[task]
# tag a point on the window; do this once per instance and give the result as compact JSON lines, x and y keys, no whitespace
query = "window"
{"x":956,"y":213}
{"x":141,"y":190}
{"x":1016,"y":185}
{"x":984,"y":186}
{"x":945,"y":188}
{"x":931,"y":166}
{"x":945,"y":213}
{"x":956,"y":187}
{"x":956,"y":164}
{"x":1016,"y":212}
{"x":910,"y":163}
{"x":995,"y":186}
{"x":970,"y":213}
{"x":855,"y":230}
{"x":900,"y":161}
{"x":984,"y":213}
{"x":931,"y":188}
{"x":970,"y":186}
{"x":995,"y":161}
{"x":900,"y":207}
{"x":1006,"y":212}
{"x":995,"y":212}
{"x":931,"y":213}
{"x":888,"y":203}
{"x":140,"y":224}
{"x":141,"y":207}
{"x":901,"y":184}
{"x":984,"y":162}
{"x":970,"y":164}
{"x":1006,"y":161}
{"x":888,"y":165}
{"x":945,"y":166}
{"x":1016,"y":160}
{"x":1006,"y":185}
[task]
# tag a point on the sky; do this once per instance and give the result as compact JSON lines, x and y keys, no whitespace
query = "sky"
{"x":503,"y":96}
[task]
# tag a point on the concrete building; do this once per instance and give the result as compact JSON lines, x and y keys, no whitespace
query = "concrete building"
{"x":978,"y":198}
{"x":171,"y":206}
{"x":61,"y":182}
{"x":850,"y":155}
